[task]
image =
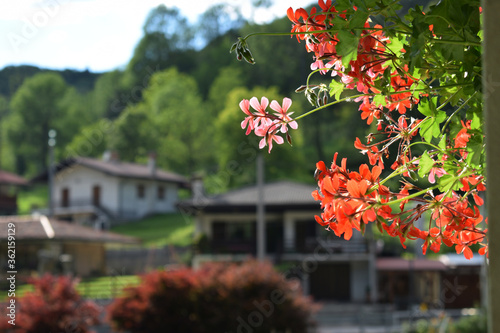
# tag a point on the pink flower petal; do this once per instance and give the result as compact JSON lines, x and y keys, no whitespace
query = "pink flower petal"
{"x":245,"y":106}
{"x":276,"y":107}
{"x":287,"y":102}
{"x":264,"y":102}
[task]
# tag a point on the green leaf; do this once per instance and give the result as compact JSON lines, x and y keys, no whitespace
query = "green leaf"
{"x":396,"y":45}
{"x":347,"y":47}
{"x":379,"y":100}
{"x":476,"y":122}
{"x":442,"y":142}
{"x":420,"y":85}
{"x":336,"y":88}
{"x":440,"y":116}
{"x":358,"y":21}
{"x":448,"y":182}
{"x":475,"y":148}
{"x":426,"y":108}
{"x":429,"y":129}
{"x":425,"y":164}
{"x":343,"y":5}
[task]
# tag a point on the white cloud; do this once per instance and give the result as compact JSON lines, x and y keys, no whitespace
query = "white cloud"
{"x":58,"y":36}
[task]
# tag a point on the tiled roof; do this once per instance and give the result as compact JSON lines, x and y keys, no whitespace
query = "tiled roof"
{"x":8,"y":178}
{"x":457,"y":260}
{"x":121,"y":169}
{"x":283,"y":193}
{"x":40,"y":228}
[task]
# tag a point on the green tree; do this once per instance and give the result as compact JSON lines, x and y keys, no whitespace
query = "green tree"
{"x":91,"y":140}
{"x":37,"y":107}
{"x":228,"y":79}
{"x":109,"y":96}
{"x":281,"y":62}
{"x":77,"y":111}
{"x":170,"y":23}
{"x":167,"y":41}
{"x":218,"y":19}
{"x":211,"y":59}
{"x":181,"y":119}
{"x":4,"y":148}
{"x":134,"y":133}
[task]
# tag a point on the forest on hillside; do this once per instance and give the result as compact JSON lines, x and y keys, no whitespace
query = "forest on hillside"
{"x":178,"y":100}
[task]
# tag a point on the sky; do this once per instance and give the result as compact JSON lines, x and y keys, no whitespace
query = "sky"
{"x":94,"y":35}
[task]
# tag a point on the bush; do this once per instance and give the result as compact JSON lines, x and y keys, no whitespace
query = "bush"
{"x":251,"y":297}
{"x":54,"y":306}
{"x":470,"y":324}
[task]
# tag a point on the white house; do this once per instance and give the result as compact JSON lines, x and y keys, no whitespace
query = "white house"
{"x":112,"y":190}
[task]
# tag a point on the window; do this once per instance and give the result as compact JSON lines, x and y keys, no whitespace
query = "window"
{"x":241,"y":231}
{"x":160,"y":193}
{"x":96,"y":196}
{"x":65,"y":197}
{"x":141,"y":191}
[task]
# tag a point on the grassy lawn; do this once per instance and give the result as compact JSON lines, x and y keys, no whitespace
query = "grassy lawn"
{"x":97,"y":288}
{"x":160,"y":230}
{"x":106,"y":287}
{"x":34,"y":197}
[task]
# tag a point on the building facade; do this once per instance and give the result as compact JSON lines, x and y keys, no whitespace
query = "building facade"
{"x":328,"y":267}
{"x":110,"y":191}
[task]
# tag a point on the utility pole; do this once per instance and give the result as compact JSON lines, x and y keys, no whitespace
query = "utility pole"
{"x":52,"y":143}
{"x":491,"y":83}
{"x":261,"y":214}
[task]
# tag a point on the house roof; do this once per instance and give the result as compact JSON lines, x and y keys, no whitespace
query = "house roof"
{"x":458,"y":260}
{"x":400,"y":264}
{"x":41,"y":228}
{"x":7,"y":178}
{"x":276,"y":194}
{"x":120,"y":169}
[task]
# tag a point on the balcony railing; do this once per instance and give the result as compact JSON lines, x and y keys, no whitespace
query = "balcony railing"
{"x":313,"y":244}
{"x":230,"y":246}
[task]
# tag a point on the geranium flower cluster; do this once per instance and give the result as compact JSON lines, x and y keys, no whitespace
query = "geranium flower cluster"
{"x":373,"y":58}
{"x":406,"y":105}
{"x":266,"y":124}
{"x":350,"y":200}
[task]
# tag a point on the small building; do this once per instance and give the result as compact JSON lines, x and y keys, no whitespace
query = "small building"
{"x":47,"y":245}
{"x":110,"y":191}
{"x":329,"y":267}
{"x":9,"y":185}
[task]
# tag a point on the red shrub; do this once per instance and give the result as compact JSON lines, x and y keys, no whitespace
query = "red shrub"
{"x":162,"y":303}
{"x":251,"y":297}
{"x":54,"y":306}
